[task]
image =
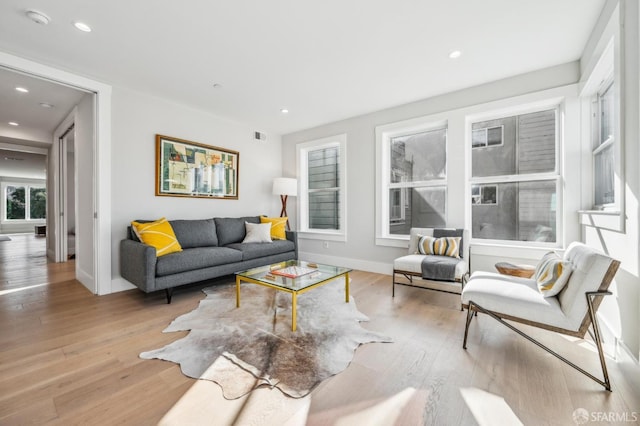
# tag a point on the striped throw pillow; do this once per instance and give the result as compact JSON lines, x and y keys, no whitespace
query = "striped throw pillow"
{"x":445,"y":246}
{"x":158,"y":234}
{"x":552,"y":274}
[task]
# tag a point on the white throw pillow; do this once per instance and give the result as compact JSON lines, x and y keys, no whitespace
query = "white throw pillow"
{"x":257,"y":233}
{"x":552,"y":274}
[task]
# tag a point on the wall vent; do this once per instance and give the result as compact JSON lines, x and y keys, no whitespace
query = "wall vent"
{"x":260,"y":136}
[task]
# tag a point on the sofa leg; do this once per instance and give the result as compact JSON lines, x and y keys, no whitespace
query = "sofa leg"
{"x":169,"y":293}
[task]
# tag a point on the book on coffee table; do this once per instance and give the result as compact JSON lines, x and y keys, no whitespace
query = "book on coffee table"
{"x":293,"y":271}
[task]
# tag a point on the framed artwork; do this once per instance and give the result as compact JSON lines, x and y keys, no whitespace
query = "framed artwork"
{"x":191,"y":169}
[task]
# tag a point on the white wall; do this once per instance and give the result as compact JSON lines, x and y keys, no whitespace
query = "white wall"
{"x":136,"y":119}
{"x":620,"y":313}
{"x":359,"y":250}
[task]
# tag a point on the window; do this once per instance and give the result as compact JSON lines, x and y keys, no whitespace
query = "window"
{"x":413,"y":177}
{"x":487,"y":136}
{"x":24,"y":202}
{"x":515,"y":184}
{"x":604,"y":147}
{"x":322,"y":180}
{"x":484,"y":194}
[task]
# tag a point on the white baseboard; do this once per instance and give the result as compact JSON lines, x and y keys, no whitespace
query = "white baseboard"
{"x":346,"y":262}
{"x":628,"y":363}
{"x":51,"y":255}
{"x":85,"y":279}
{"x":120,"y":284}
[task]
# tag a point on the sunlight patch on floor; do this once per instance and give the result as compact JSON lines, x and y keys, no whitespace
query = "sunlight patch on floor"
{"x":489,"y":409}
{"x":15,"y":290}
{"x":204,"y":404}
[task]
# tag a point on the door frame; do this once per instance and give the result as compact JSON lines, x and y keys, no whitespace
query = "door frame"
{"x":101,"y":283}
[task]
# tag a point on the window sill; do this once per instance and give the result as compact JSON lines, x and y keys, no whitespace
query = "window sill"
{"x":318,"y":235}
{"x":402,"y":242}
{"x":606,"y":219}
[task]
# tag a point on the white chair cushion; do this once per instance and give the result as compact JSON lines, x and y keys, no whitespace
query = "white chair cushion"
{"x":413,"y":263}
{"x":514,"y":296}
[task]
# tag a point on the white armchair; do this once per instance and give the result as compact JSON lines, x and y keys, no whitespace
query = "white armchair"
{"x":570,"y":312}
{"x":411,"y":265}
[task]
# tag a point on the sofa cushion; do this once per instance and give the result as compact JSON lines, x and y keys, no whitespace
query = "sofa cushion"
{"x":257,"y":233}
{"x":278,"y":226}
{"x":195,"y":233}
{"x":196,"y":258}
{"x":158,"y":234}
{"x":256,"y":250}
{"x":231,"y":229}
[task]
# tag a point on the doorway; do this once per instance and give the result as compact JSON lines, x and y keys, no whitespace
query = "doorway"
{"x":93,"y":245}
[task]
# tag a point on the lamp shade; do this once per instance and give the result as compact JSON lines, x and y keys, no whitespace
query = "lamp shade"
{"x":285,"y":186}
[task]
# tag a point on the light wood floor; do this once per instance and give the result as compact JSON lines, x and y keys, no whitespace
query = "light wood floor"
{"x":69,"y":357}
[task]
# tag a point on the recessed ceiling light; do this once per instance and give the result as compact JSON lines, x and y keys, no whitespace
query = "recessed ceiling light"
{"x":22,"y":89}
{"x":38,"y":17}
{"x":455,"y":54}
{"x":284,"y":111}
{"x":13,"y":123}
{"x":46,"y":105}
{"x":82,"y":27}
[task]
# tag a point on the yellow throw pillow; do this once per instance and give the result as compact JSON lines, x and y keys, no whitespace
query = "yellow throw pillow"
{"x":158,"y":234}
{"x":278,"y":225}
{"x":444,"y":246}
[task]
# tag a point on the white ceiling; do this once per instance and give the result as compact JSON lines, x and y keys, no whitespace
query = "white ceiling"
{"x":35,"y":122}
{"x":323,"y":60}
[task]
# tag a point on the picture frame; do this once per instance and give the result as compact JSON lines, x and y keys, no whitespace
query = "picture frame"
{"x":191,"y":169}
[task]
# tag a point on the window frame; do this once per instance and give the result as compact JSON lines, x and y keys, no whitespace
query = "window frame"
{"x":384,"y":135}
{"x":556,"y":175}
{"x":27,"y":186}
{"x":302,"y":151}
{"x":599,"y":146}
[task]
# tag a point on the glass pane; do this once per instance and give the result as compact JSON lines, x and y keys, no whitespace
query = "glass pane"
{"x":16,"y":202}
{"x":324,"y":210}
{"x":494,"y":136}
{"x":419,"y":157}
{"x":604,"y":176}
{"x":323,"y":168}
{"x":479,"y":138}
{"x":606,"y":114}
{"x":516,"y":145}
{"x":418,"y":208}
{"x":524,"y":211}
{"x":38,"y":203}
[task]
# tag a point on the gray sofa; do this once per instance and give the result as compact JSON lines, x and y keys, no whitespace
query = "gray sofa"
{"x":211,"y":248}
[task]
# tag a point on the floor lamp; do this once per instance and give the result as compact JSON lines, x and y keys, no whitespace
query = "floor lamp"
{"x":285,"y":187}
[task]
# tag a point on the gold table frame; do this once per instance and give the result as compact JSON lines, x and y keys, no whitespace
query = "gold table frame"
{"x":286,"y":284}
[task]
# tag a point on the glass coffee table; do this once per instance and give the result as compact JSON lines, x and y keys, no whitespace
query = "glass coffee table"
{"x":295,"y":277}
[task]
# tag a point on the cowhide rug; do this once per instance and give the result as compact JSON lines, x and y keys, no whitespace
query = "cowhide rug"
{"x":251,"y":346}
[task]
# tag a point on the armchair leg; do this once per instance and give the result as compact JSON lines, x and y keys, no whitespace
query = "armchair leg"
{"x":605,"y":382}
{"x":168,"y":292}
{"x":598,"y":338}
{"x":466,"y":327}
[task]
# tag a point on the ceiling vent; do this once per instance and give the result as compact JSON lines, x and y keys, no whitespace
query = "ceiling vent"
{"x":260,"y":136}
